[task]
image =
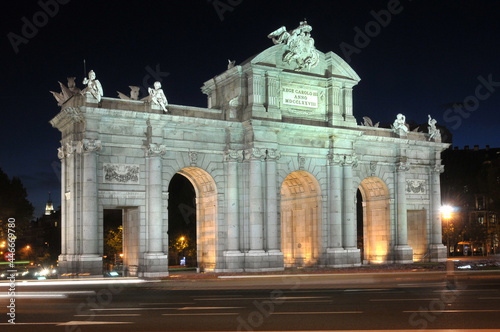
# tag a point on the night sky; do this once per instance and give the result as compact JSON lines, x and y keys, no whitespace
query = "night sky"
{"x":423,"y":58}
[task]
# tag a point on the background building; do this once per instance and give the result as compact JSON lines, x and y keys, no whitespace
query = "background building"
{"x":471,"y":185}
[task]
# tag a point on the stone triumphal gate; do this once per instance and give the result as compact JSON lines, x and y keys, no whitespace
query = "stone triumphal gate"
{"x":276,"y":160}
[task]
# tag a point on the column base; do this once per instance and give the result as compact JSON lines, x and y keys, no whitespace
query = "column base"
{"x":438,"y":253}
{"x":78,"y":266}
{"x":234,"y":261}
{"x":155,"y":265}
{"x":261,"y":261}
{"x":340,"y":257}
{"x":403,"y":254}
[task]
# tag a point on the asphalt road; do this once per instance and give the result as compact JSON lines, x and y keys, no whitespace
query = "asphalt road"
{"x":299,"y":303}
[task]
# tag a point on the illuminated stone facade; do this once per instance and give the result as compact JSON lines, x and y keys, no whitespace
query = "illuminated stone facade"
{"x":276,"y":160}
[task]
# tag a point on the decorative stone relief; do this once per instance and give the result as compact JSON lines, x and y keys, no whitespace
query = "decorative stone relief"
{"x":302,"y":161}
{"x":193,"y":157}
{"x":121,"y":173}
{"x":300,"y":46}
{"x":416,"y":186}
{"x":373,"y":167}
{"x":88,"y":145}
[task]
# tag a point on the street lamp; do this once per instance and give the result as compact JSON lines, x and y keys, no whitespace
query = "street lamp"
{"x":446,"y":211}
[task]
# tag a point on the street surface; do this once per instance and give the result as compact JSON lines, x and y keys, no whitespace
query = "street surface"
{"x":396,"y":301}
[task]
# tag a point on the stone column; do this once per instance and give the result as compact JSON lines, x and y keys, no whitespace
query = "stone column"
{"x":347,"y":106}
{"x":256,"y":91}
{"x":232,"y":213}
{"x":404,"y":253}
{"x":233,"y":255}
{"x":61,"y":154}
{"x":70,"y":197}
{"x":156,"y":261}
{"x":90,"y":259}
{"x":336,"y":185}
{"x":273,"y":241}
{"x":336,"y":254}
{"x":349,"y":230}
{"x":255,"y":157}
{"x":437,"y":249}
{"x":155,"y":218}
{"x":273,"y":94}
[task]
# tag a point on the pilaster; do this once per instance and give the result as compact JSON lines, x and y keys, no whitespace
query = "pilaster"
{"x":403,"y":252}
{"x":232,"y":158}
{"x":255,"y":156}
{"x":438,"y":251}
{"x":155,"y":260}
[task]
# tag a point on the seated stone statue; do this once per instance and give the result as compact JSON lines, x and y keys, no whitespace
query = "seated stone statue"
{"x":158,"y":97}
{"x":400,"y":124}
{"x":93,"y":86}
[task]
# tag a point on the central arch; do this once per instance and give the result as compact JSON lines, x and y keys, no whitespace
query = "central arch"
{"x":300,"y":231}
{"x":206,"y":216}
{"x":376,"y":220}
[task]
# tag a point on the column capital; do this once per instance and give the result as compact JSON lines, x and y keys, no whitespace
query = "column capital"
{"x":255,"y":153}
{"x":335,"y":159}
{"x":350,"y":160}
{"x":60,"y":153}
{"x":69,"y":148}
{"x":273,"y":154}
{"x":233,"y":155}
{"x":402,"y":166}
{"x":437,"y":168}
{"x":155,"y":150}
{"x":88,"y":146}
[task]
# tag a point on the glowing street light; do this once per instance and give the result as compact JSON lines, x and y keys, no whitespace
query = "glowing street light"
{"x":446,"y":211}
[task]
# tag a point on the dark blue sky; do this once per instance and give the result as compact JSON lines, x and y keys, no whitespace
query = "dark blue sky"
{"x":423,"y":58}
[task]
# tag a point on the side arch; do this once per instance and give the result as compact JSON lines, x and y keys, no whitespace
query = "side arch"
{"x":206,"y":216}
